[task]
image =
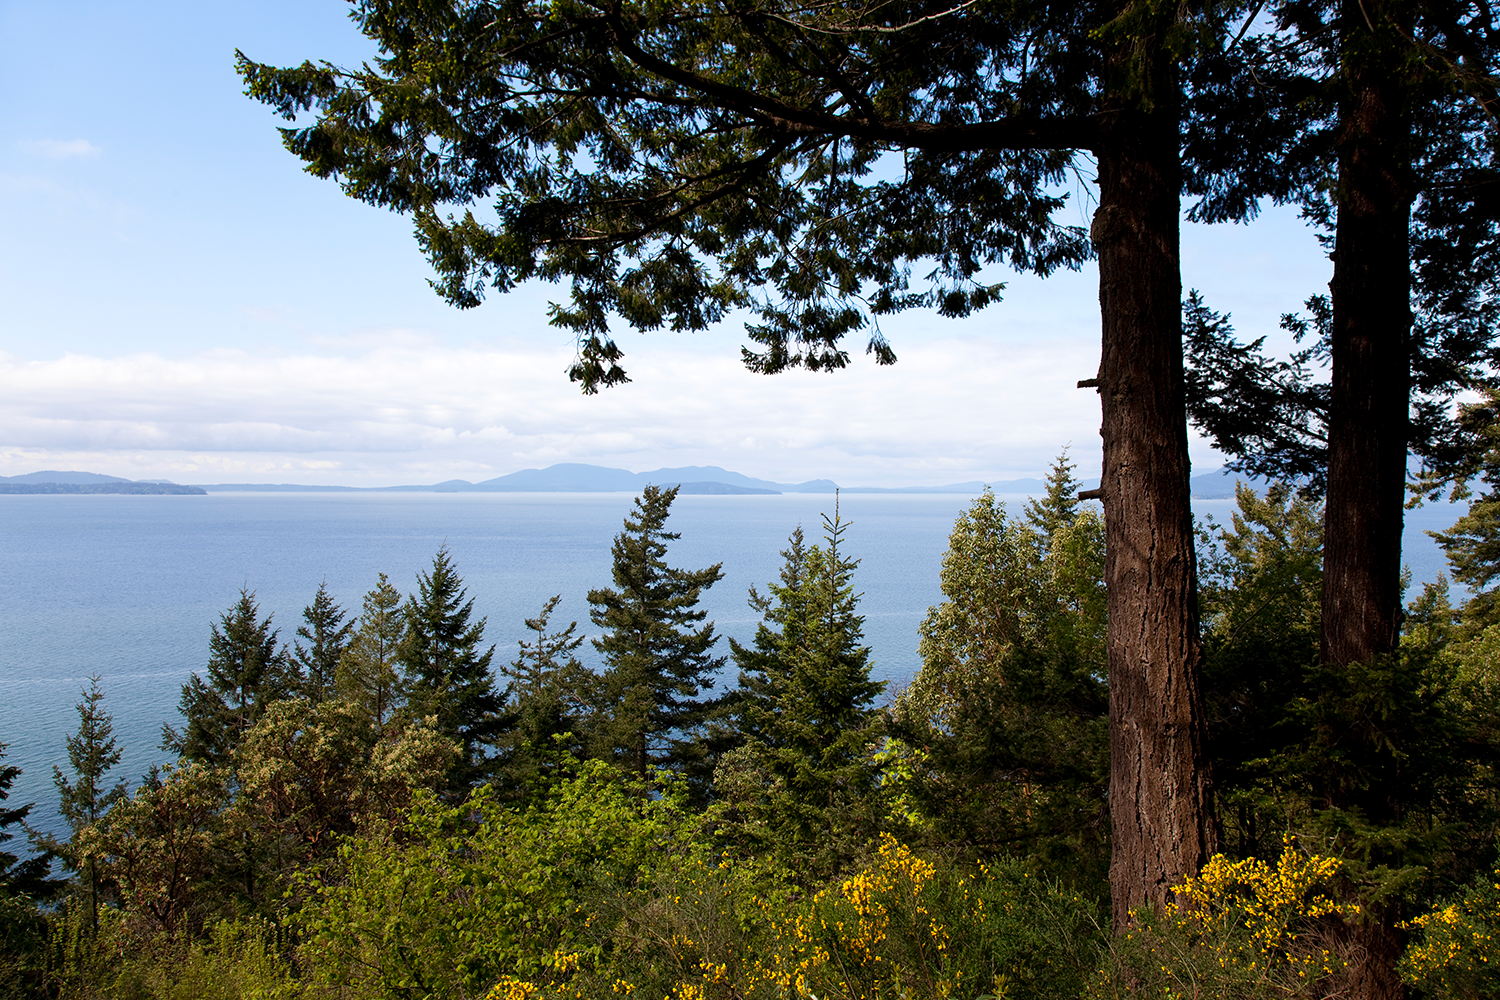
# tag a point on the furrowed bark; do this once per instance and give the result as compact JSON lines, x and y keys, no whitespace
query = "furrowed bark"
{"x":1368,"y":416}
{"x":1160,"y":810}
{"x":1367,"y":433}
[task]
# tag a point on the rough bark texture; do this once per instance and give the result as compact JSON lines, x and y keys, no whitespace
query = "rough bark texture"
{"x":1368,"y":433}
{"x":1161,"y":819}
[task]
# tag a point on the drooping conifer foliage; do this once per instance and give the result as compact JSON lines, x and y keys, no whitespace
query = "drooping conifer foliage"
{"x":657,"y":649}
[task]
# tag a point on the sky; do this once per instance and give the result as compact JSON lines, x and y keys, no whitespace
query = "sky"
{"x":178,"y":300}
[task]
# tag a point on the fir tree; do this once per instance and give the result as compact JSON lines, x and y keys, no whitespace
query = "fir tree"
{"x":807,"y":695}
{"x":447,"y":674}
{"x":327,"y":634}
{"x":86,"y":797}
{"x":657,"y":655}
{"x":368,"y":675}
{"x":1056,"y":508}
{"x":246,"y":672}
{"x":547,"y":698}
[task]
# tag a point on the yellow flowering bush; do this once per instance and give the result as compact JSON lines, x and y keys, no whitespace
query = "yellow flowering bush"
{"x":1455,"y":948}
{"x":1240,"y":929}
{"x":901,"y":926}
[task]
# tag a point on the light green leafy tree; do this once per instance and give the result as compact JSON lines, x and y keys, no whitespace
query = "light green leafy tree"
{"x":1003,"y":734}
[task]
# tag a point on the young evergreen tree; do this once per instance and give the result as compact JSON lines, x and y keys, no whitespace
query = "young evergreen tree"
{"x":547,"y":699}
{"x":87,"y":796}
{"x":246,"y":672}
{"x":657,"y":655}
{"x":448,"y":672}
{"x":369,"y":676}
{"x":327,"y":634}
{"x":806,"y":698}
{"x":1056,"y":508}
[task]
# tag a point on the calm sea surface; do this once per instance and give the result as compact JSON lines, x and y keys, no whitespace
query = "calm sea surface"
{"x":126,"y":586}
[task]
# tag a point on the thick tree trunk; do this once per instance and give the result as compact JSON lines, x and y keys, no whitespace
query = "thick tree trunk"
{"x":1368,"y":433}
{"x":1160,"y":810}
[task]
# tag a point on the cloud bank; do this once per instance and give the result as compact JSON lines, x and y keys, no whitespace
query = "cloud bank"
{"x":397,"y":408}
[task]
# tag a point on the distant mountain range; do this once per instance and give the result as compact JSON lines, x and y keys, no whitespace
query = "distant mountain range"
{"x":573,"y":478}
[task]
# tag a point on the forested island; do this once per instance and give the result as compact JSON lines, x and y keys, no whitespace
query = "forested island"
{"x":387,"y":806}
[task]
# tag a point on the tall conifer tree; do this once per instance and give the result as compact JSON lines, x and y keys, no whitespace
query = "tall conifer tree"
{"x":548,"y":696}
{"x":448,"y":670}
{"x":369,"y":675}
{"x":657,"y":654}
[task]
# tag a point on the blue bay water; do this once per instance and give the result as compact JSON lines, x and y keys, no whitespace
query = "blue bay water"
{"x":127,"y":586}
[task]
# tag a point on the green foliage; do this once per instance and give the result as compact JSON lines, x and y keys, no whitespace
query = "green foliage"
{"x":368,"y":673}
{"x":162,"y":847}
{"x":312,"y":772}
{"x":1003,"y":740}
{"x":327,"y":635}
{"x":246,"y":672}
{"x":657,"y":655}
{"x":805,"y":773}
{"x":482,"y":890}
{"x":447,"y":675}
{"x":23,"y":938}
{"x":1472,"y":546}
{"x":19,"y":876}
{"x":1260,"y":590}
{"x":1237,"y":930}
{"x":900,"y":925}
{"x":237,"y":960}
{"x":1455,"y":948}
{"x":85,"y":798}
{"x":1379,"y":761}
{"x":548,"y":700}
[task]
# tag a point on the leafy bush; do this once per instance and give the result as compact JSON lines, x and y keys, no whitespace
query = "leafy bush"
{"x":1239,"y":930}
{"x":1455,"y":952}
{"x":483,"y":891}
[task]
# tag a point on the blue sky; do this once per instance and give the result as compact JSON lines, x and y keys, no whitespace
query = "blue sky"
{"x":178,"y":300}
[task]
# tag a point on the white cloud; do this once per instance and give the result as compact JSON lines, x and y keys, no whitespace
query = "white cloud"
{"x":402,"y":411}
{"x":60,"y":149}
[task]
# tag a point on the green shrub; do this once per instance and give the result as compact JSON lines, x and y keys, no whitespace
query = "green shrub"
{"x":1455,"y":952}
